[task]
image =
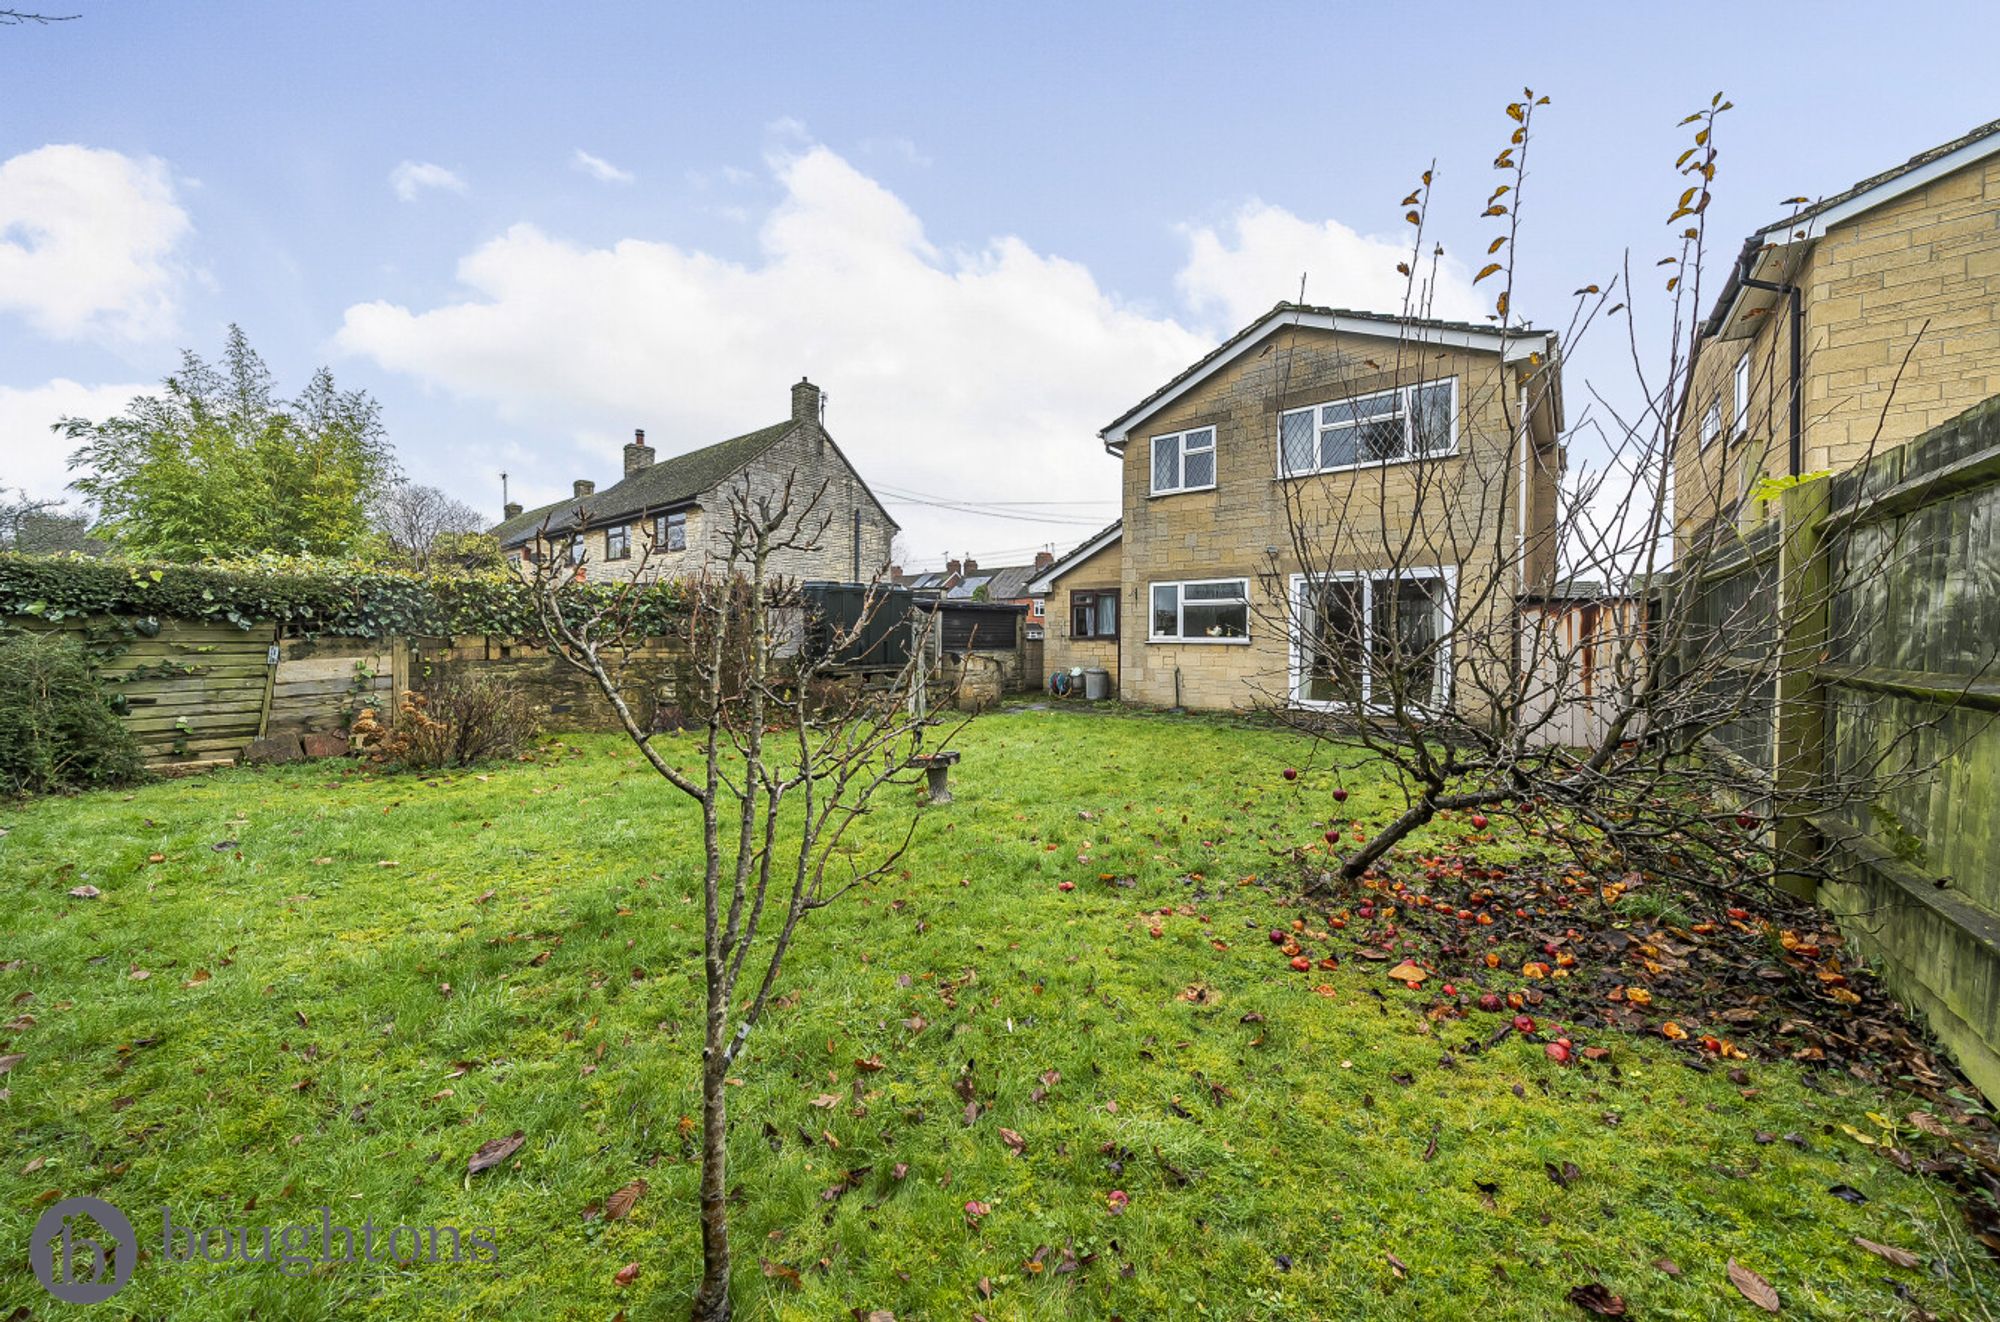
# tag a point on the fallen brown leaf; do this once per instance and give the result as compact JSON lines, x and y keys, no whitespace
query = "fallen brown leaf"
{"x":1594,"y":1298}
{"x":491,"y":1154}
{"x":627,"y":1274}
{"x":1899,"y":1257}
{"x":619,"y":1205}
{"x":1753,"y":1287}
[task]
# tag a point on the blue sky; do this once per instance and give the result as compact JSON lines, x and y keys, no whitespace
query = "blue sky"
{"x":984,"y":231}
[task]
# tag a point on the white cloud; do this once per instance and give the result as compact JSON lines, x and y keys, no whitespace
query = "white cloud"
{"x":600,"y":169}
{"x":979,"y":374}
{"x":87,"y":243}
{"x":413,"y":177}
{"x":1253,"y":261}
{"x":985,"y":371}
{"x":31,"y":457}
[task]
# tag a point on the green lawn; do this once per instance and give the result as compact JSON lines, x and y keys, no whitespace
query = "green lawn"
{"x":317,"y":1028}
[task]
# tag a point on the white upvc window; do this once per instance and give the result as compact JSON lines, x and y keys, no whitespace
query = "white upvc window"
{"x":1215,"y":610}
{"x":1354,"y":634}
{"x":1743,"y":395}
{"x":1392,"y":426}
{"x":1711,"y":423}
{"x":1184,"y":461}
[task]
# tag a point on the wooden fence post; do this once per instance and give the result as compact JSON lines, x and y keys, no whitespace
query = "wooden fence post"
{"x":399,"y":674}
{"x":1799,"y":697}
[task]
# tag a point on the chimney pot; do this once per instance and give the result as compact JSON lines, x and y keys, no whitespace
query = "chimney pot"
{"x":581,"y":488}
{"x":512,"y":510}
{"x":806,"y":402}
{"x":638,"y":455}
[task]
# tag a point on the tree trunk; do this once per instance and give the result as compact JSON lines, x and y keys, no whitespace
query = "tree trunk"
{"x":1386,"y":839}
{"x":711,"y":1302}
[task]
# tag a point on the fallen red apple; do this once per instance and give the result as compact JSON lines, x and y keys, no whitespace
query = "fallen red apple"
{"x":1333,"y":837}
{"x":1301,"y":963}
{"x":1557,"y":1052}
{"x":1291,"y":773}
{"x":1065,"y":885}
{"x":1366,"y":911}
{"x":1278,"y":938}
{"x":1450,"y":990}
{"x":1524,"y":1023}
{"x":1339,"y":795}
{"x":1745,"y":820}
{"x":1478,"y":822}
{"x":1490,"y":1002}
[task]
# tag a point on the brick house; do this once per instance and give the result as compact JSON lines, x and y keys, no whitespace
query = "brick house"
{"x":670,"y":518}
{"x":1196,"y":596}
{"x":1892,"y":282}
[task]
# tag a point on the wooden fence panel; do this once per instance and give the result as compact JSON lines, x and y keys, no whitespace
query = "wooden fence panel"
{"x":322,"y":683}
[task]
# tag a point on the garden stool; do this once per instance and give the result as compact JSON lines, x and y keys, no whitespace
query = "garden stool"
{"x":937,"y":766}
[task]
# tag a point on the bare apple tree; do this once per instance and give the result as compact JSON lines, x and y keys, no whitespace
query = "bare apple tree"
{"x":1566,"y":648}
{"x":800,"y":720}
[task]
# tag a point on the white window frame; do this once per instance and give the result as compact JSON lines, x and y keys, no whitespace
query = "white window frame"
{"x":1367,"y":578}
{"x":1711,"y":423}
{"x":1180,"y":586}
{"x":1404,"y":396}
{"x":1180,"y":439}
{"x":1743,"y":394}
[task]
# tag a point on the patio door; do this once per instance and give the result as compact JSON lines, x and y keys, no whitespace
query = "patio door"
{"x":1360,"y":638}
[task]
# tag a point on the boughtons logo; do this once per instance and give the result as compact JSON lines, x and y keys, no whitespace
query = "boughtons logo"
{"x":83,"y":1250}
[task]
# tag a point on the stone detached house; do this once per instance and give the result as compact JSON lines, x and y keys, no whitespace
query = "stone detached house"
{"x":1892,"y":284}
{"x":1196,"y":596}
{"x":669,"y":518}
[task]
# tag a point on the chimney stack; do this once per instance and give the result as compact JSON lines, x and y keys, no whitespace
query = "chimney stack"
{"x":512,"y":510}
{"x":1043,"y":559}
{"x":582,"y":488}
{"x":638,"y":454}
{"x":895,"y":573}
{"x":806,"y":402}
{"x":952,"y":567}
{"x":971,"y":566}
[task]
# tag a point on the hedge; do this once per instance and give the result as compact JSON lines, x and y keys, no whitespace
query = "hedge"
{"x":307,"y":595}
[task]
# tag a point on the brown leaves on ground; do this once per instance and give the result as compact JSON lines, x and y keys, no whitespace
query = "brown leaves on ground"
{"x":492,"y":1153}
{"x":1015,"y":1143}
{"x":1753,"y":1287}
{"x":1594,"y":1298}
{"x":627,"y":1274}
{"x":619,"y":1205}
{"x":1899,"y":1257}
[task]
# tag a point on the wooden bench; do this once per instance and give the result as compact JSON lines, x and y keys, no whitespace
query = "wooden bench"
{"x":937,"y":766}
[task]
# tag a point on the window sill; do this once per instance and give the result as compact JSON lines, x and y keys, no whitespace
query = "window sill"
{"x":1179,"y":491}
{"x":1452,"y":453}
{"x":1198,"y":642}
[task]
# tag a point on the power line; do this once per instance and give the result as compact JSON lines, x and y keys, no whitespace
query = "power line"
{"x":1062,"y":520}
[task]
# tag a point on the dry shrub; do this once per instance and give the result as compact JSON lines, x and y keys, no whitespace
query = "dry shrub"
{"x":460,"y":718}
